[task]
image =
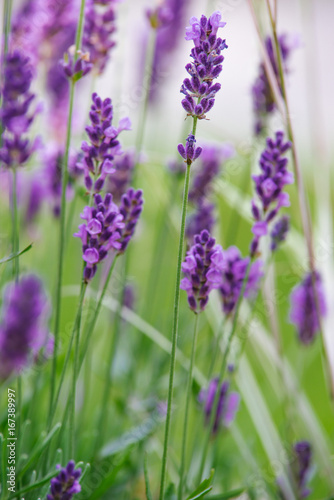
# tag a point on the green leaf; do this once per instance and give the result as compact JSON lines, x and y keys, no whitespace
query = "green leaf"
{"x":170,"y":493}
{"x":204,"y":488}
{"x":228,"y":495}
{"x":13,"y":256}
{"x":147,"y":480}
{"x":134,"y":436}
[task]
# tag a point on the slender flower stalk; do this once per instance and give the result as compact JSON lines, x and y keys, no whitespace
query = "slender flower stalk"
{"x":203,"y":33}
{"x":62,"y":228}
{"x":186,"y":413}
{"x":222,"y":373}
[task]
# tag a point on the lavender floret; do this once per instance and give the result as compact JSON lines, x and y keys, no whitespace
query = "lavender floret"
{"x":66,"y":484}
{"x":303,"y":312}
{"x":228,"y":403}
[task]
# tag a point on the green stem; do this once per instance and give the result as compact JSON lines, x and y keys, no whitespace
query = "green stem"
{"x":7,"y":8}
{"x":62,"y":229}
{"x":69,"y":349}
{"x":75,"y":370}
{"x":110,"y":362}
{"x":15,"y":237}
{"x":186,"y":413}
{"x":175,"y":329}
{"x":222,"y":374}
{"x":96,"y":314}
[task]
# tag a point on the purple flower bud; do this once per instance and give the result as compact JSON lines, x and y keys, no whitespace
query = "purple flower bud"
{"x":66,"y":484}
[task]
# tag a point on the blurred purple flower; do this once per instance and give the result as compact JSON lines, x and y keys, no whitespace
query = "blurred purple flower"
{"x":101,"y":233}
{"x":303,"y":312}
{"x":263,"y":99}
{"x":229,"y":279}
{"x":98,"y":32}
{"x":118,"y":182}
{"x":303,"y":453}
{"x":131,"y":207}
{"x":23,"y":330}
{"x":206,"y":66}
{"x":160,"y":16}
{"x":15,"y":117}
{"x":228,"y":403}
{"x":77,"y":64}
{"x":169,"y":32}
{"x":269,"y":187}
{"x":203,"y":258}
{"x":104,"y":144}
{"x":202,"y":218}
{"x":279,"y":232}
{"x":66,"y":484}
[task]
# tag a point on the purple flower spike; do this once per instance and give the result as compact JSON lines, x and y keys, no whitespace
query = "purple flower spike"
{"x":14,"y":115}
{"x":301,"y":469}
{"x":189,"y":153}
{"x":199,"y":89}
{"x":98,"y":161}
{"x":101,"y":233}
{"x":303,"y":312}
{"x":269,"y":187}
{"x":23,"y":330}
{"x":203,"y":258}
{"x":66,"y":484}
{"x":231,"y":276}
{"x":279,"y":232}
{"x":263,"y":99}
{"x":98,"y":32}
{"x":228,"y":403}
{"x":130,"y":208}
{"x":160,"y":17}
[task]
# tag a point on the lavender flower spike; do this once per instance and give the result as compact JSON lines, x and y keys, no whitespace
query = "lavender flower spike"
{"x":66,"y":484}
{"x":207,"y":58}
{"x":279,"y":232}
{"x":130,"y":209}
{"x":101,"y":232}
{"x":203,"y":258}
{"x":269,"y":187}
{"x":227,"y":405}
{"x":23,"y":330}
{"x":303,"y":312}
{"x":14,"y":115}
{"x":104,"y":144}
{"x":303,"y":453}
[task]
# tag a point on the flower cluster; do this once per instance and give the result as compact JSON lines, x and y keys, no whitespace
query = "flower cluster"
{"x":108,"y":227}
{"x":131,"y":207}
{"x":304,"y":313}
{"x":230,"y":276}
{"x":189,"y":152}
{"x":202,"y":260}
{"x":279,"y":232}
{"x":118,"y":182}
{"x":98,"y":32}
{"x":160,"y":16}
{"x":263,"y":98}
{"x":104,"y":145}
{"x":227,"y":407}
{"x":23,"y":330}
{"x":208,"y":169}
{"x":206,"y":66}
{"x":269,"y":186}
{"x":15,"y":117}
{"x":100,"y":233}
{"x":76,"y":64}
{"x":66,"y":484}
